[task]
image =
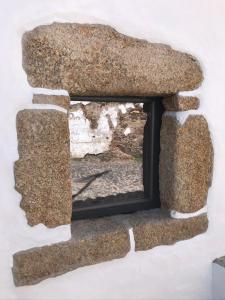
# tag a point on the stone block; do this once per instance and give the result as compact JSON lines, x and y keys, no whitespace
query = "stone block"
{"x":96,"y":60}
{"x":186,"y":163}
{"x":92,"y":241}
{"x":103,"y":239}
{"x":180,"y":103}
{"x":59,"y":100}
{"x":155,"y":228}
{"x":42,"y":173}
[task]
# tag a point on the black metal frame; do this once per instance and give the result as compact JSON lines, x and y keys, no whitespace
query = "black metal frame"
{"x":151,"y":148}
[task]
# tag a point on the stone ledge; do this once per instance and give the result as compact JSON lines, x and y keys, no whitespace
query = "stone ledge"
{"x":59,"y":100}
{"x":103,"y":239}
{"x":180,"y":103}
{"x":93,"y":241}
{"x":155,"y":227}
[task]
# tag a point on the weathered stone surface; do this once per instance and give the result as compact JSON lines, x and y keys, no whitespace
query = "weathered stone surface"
{"x":92,"y":242}
{"x":97,"y":60}
{"x":59,"y":100}
{"x":153,"y":228}
{"x":186,"y":161}
{"x":103,"y":239}
{"x":42,"y":173}
{"x":180,"y":103}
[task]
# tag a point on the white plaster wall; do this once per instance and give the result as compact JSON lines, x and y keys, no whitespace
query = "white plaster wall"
{"x":218,"y":279}
{"x":182,"y":271}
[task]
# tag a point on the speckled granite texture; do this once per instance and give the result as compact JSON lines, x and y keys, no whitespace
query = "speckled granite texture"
{"x":59,"y":100}
{"x":93,"y":241}
{"x":42,"y":173}
{"x":97,"y":60}
{"x":186,"y":162}
{"x":103,"y":239}
{"x":180,"y":103}
{"x":155,"y":227}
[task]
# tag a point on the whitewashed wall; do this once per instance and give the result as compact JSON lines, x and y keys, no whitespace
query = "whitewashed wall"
{"x":182,"y":271}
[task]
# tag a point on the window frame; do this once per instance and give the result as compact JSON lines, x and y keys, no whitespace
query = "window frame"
{"x":151,"y":149}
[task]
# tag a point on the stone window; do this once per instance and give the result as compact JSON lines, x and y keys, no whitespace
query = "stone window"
{"x":124,"y":178}
{"x":93,"y":61}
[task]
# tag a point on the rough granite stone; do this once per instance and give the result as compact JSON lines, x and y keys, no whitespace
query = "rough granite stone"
{"x":96,"y":60}
{"x":153,"y":228}
{"x":180,"y":103}
{"x":186,"y":162}
{"x":42,"y":173}
{"x":103,"y":239}
{"x":59,"y":100}
{"x":92,"y":241}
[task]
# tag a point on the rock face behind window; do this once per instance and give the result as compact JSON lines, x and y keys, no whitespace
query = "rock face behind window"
{"x":112,"y":130}
{"x":108,"y":138}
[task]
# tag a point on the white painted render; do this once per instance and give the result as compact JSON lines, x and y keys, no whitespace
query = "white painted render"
{"x":44,"y":91}
{"x":218,"y":279}
{"x":177,"y":215}
{"x":181,"y":271}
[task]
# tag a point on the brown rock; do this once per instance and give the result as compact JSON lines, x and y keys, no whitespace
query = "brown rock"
{"x":180,"y":103}
{"x":131,"y":144}
{"x":153,"y":228}
{"x":93,"y":241}
{"x":63,"y":101}
{"x":103,"y":239}
{"x":42,"y":173}
{"x":186,"y":162}
{"x":122,"y":146}
{"x":97,"y":60}
{"x":92,"y":112}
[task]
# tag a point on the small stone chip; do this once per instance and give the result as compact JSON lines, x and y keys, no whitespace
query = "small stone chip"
{"x":180,"y":103}
{"x":59,"y":100}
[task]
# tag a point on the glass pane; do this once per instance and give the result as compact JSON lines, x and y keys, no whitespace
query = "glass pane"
{"x":106,"y":141}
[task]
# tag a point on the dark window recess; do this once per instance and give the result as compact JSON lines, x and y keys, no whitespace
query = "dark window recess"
{"x":131,"y":201}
